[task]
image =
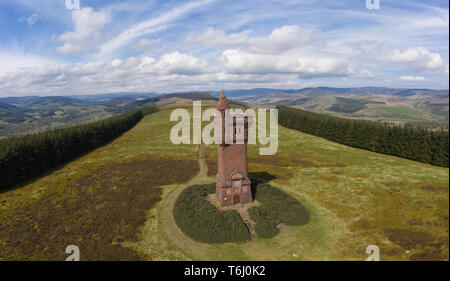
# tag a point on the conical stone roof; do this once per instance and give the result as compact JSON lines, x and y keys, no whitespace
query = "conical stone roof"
{"x":223,"y":102}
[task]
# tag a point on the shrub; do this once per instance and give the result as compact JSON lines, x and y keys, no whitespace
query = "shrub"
{"x":275,"y":204}
{"x":203,"y":222}
{"x":264,"y":227}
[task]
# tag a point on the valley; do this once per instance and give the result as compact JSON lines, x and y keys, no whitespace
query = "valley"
{"x":116,"y":202}
{"x":415,"y":107}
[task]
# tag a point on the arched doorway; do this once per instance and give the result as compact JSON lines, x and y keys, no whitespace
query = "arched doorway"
{"x":236,"y":199}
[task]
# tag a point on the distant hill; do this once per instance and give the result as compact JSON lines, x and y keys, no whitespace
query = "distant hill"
{"x":18,"y":100}
{"x":424,"y":107}
{"x":59,"y":101}
{"x":191,"y":96}
{"x":11,"y":113}
{"x":119,"y":101}
{"x":22,"y":115}
{"x":317,"y":91}
{"x":419,"y":107}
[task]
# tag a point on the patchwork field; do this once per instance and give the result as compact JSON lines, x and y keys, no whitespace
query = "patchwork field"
{"x":416,"y":107}
{"x":117,"y":201}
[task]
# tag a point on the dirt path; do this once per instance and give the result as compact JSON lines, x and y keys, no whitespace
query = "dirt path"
{"x":167,"y":222}
{"x":241,"y":209}
{"x":161,"y":229}
{"x":203,"y":167}
{"x":243,"y":212}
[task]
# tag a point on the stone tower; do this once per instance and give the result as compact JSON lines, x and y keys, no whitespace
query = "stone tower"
{"x":232,"y":183}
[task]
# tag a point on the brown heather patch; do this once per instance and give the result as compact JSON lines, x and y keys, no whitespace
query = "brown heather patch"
{"x":437,"y":250}
{"x":360,"y":224}
{"x":428,"y":254}
{"x":398,"y":185}
{"x":283,"y":175}
{"x":280,"y":174}
{"x":435,"y":188}
{"x":212,"y":168}
{"x":210,"y":152}
{"x":96,"y":213}
{"x":328,"y":178}
{"x":408,"y":239}
{"x":341,"y":209}
{"x":396,"y":251}
{"x":429,"y":187}
{"x":445,"y":220}
{"x":294,"y":160}
{"x":210,"y":156}
{"x":335,"y":165}
{"x":415,"y":221}
{"x":337,"y":172}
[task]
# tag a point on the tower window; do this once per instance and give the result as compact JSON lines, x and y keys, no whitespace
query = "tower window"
{"x":236,"y":182}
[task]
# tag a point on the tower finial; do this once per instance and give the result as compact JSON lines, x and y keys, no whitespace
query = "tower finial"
{"x":223,"y":103}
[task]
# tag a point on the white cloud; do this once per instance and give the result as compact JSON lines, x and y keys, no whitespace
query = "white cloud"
{"x":412,"y":78}
{"x":214,"y":37}
{"x":103,"y":76}
{"x":177,"y":63}
{"x":419,"y":59}
{"x":282,"y":52}
{"x":150,"y":26}
{"x":146,"y":44}
{"x":339,"y":55}
{"x":365,"y":74}
{"x":306,"y":65}
{"x":32,"y":19}
{"x":86,"y":34}
{"x":16,"y":60}
{"x":280,"y":40}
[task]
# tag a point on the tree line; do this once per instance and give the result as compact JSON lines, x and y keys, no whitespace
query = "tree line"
{"x":415,"y":143}
{"x":25,"y":157}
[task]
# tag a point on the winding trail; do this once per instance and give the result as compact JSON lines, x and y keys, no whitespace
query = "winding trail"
{"x":164,"y":215}
{"x":203,"y":167}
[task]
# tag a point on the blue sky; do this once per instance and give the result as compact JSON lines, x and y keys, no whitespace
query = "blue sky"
{"x":164,"y":46}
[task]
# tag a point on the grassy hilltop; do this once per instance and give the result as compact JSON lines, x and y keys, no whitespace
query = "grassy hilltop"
{"x":116,"y":202}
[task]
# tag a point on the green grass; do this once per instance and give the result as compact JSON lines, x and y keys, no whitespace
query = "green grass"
{"x":393,"y":112}
{"x":347,"y":105}
{"x":396,"y":110}
{"x":355,"y":198}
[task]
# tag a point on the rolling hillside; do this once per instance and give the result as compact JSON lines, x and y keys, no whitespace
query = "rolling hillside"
{"x":417,"y":107}
{"x":401,"y":106}
{"x":37,"y":114}
{"x":116,"y":202}
{"x":25,"y":115}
